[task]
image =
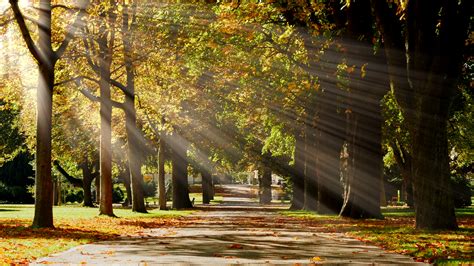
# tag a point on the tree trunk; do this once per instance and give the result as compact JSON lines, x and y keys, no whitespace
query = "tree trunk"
{"x":97,"y":190}
{"x":211,"y":191}
{"x":206,"y":186}
{"x":43,"y":182}
{"x":138,"y":203}
{"x":87,"y":178}
{"x":329,"y":141}
{"x":362,"y":186}
{"x":180,"y":177}
{"x":87,"y":193}
{"x":133,"y":133}
{"x":298,"y":178}
{"x":265,"y":185}
{"x":403,"y":160}
{"x":161,"y":174}
{"x":105,"y":133}
{"x":434,"y":205}
{"x":106,"y":44}
{"x":434,"y":42}
{"x":310,"y":180}
{"x":46,"y":59}
{"x":127,"y":183}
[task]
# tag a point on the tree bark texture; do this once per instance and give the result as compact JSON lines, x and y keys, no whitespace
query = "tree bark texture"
{"x":106,"y":42}
{"x":161,"y":174}
{"x":265,"y":185}
{"x":330,"y":138}
{"x":134,"y":135}
{"x":311,"y":172}
{"x":44,"y":184}
{"x":206,"y":186}
{"x":105,"y":129}
{"x":180,"y":176}
{"x":299,"y":170}
{"x":125,"y":174}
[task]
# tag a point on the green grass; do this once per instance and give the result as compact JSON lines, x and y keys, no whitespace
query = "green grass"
{"x":198,"y":198}
{"x":77,"y":212}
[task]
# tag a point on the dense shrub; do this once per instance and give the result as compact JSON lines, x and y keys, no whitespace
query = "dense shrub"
{"x":15,"y":178}
{"x":117,"y":195}
{"x":461,"y":191}
{"x":74,"y":195}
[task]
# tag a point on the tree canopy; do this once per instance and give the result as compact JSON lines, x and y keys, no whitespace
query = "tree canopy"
{"x":327,"y":94}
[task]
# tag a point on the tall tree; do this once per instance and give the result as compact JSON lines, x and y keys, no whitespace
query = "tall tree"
{"x":364,"y":121}
{"x":134,"y":135}
{"x":265,"y":184}
{"x":179,"y":173}
{"x":425,"y":54}
{"x":298,"y":177}
{"x":46,"y":58}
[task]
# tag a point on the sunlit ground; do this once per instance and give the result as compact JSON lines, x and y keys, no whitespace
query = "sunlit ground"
{"x":74,"y":226}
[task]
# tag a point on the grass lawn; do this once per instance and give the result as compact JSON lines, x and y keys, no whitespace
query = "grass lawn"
{"x":74,"y":226}
{"x":396,"y":233}
{"x":198,"y":198}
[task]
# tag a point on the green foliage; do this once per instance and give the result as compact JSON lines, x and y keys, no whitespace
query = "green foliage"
{"x":117,"y":195}
{"x":11,"y":140}
{"x":73,"y":195}
{"x":462,"y":191}
{"x":149,"y":188}
{"x":15,"y":178}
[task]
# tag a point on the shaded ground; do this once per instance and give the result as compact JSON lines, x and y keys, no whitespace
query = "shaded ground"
{"x":236,"y":231}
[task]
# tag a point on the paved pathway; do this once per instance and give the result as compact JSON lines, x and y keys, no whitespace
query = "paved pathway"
{"x":235,"y":232}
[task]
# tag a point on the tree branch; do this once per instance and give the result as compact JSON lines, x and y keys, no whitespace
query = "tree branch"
{"x":4,"y":23}
{"x":88,"y":94}
{"x":76,"y":182}
{"x":25,"y":33}
{"x":88,"y":48}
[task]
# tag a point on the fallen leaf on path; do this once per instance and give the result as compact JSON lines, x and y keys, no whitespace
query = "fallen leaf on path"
{"x":236,"y":246}
{"x":315,"y":259}
{"x":86,"y":253}
{"x":108,"y":252}
{"x":360,"y":251}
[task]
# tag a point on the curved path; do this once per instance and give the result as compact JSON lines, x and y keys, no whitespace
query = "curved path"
{"x":238,"y":231}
